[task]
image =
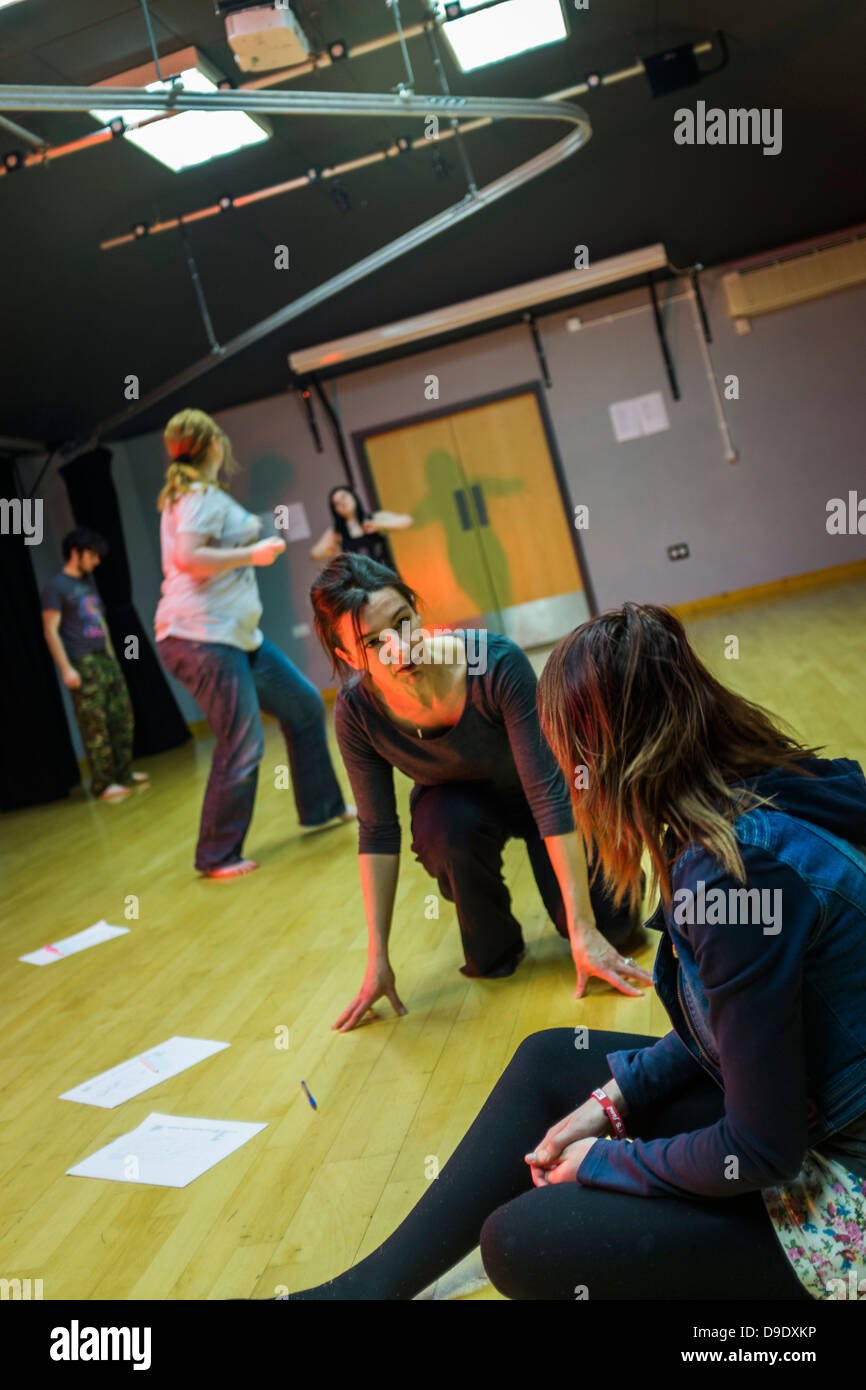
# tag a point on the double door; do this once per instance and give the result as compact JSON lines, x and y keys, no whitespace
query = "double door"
{"x":491,"y":542}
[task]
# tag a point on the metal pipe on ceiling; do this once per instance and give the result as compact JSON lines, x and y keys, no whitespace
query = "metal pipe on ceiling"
{"x":51,"y":98}
{"x":21,"y":134}
{"x":363,"y":104}
{"x":270,"y":79}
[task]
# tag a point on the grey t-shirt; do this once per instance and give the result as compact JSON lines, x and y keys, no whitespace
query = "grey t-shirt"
{"x":80,"y":608}
{"x":496,"y":740}
{"x":221,"y":607}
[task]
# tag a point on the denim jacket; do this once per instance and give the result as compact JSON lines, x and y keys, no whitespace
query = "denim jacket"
{"x":769,"y":1000}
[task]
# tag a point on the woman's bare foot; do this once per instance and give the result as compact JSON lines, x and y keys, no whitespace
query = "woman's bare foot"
{"x":114,"y":792}
{"x":240,"y":866}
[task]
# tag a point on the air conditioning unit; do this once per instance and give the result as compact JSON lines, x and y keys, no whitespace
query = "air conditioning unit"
{"x":264,"y":37}
{"x":793,"y":281}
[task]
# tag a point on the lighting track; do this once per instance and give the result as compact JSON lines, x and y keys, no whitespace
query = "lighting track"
{"x":321,"y":104}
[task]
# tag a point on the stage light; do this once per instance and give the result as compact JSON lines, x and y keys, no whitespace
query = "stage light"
{"x":190,"y":137}
{"x":669,"y":71}
{"x":117,"y":126}
{"x":593,"y":79}
{"x":226,"y":202}
{"x":479,"y":33}
{"x":337,"y":50}
{"x":139,"y":230}
{"x":13,"y":160}
{"x":482,"y":310}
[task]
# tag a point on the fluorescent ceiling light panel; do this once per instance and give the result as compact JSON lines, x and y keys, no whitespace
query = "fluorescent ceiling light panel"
{"x":193,"y":136}
{"x":501,"y":31}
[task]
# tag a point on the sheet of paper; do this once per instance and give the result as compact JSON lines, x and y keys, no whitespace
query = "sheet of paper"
{"x":166,"y":1150}
{"x":298,"y":527}
{"x":626,"y":420}
{"x":148,"y":1069}
{"x":56,"y":950}
{"x":653,"y":416}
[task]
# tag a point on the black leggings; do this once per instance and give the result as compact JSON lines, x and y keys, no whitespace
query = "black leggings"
{"x":458,"y":833}
{"x":567,"y":1241}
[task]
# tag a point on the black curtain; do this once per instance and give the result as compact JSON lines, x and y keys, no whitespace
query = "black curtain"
{"x":37,"y":759}
{"x":158,"y":721}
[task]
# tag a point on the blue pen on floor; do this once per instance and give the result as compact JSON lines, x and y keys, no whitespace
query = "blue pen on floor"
{"x":309,"y":1097}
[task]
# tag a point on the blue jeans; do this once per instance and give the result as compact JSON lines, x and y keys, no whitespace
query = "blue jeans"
{"x":229,"y":686}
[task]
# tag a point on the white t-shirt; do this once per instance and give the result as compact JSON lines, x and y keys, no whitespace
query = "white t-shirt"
{"x":221,"y":607}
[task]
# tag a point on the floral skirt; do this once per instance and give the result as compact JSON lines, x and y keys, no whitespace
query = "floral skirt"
{"x":820,"y":1219}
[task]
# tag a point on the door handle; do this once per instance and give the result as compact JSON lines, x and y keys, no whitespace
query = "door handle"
{"x":463,"y":509}
{"x":480,"y":505}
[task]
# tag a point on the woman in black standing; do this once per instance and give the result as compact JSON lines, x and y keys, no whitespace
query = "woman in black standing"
{"x":355,"y":531}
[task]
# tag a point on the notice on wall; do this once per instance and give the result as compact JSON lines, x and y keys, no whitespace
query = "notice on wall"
{"x":639,"y":416}
{"x":297,"y":527}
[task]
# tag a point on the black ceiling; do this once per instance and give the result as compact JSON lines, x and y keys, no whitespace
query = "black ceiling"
{"x":77,"y":320}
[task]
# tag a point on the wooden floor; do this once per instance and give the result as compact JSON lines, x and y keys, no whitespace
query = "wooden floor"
{"x":286,"y":948}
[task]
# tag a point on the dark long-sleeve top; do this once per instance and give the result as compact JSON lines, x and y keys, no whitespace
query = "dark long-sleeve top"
{"x":497,"y":740}
{"x":784,"y":1013}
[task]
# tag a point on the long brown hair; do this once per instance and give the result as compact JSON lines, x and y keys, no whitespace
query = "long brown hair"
{"x":188,"y":437}
{"x":625,"y":698}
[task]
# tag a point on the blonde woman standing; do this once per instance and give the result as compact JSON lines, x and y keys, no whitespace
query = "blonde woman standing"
{"x":207,"y":633}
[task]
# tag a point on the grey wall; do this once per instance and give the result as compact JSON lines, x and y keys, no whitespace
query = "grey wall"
{"x":798,"y":426}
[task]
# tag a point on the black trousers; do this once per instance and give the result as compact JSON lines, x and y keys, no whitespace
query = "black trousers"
{"x":568,"y":1241}
{"x":458,"y":833}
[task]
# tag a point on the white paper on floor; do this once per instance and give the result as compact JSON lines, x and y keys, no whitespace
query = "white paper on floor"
{"x":166,"y":1150}
{"x":91,"y":936}
{"x":148,"y":1069}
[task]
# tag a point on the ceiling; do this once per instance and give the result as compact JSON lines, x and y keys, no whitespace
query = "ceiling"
{"x":77,"y":320}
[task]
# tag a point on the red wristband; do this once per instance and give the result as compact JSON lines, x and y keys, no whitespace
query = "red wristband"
{"x":613,"y":1115}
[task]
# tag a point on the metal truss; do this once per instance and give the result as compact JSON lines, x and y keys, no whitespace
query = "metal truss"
{"x":397,"y":106}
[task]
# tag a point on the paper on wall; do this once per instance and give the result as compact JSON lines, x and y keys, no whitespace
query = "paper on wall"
{"x":297,"y":527}
{"x":140,"y":1073}
{"x":69,"y":945}
{"x":639,"y":416}
{"x":626,"y":420}
{"x":167,"y":1150}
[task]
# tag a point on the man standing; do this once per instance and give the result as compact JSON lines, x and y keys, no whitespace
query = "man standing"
{"x":75,"y":629}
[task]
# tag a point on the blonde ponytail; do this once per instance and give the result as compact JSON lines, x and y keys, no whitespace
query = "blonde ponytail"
{"x":188,"y":437}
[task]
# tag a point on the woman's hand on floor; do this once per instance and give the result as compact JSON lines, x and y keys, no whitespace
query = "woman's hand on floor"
{"x":596,"y":957}
{"x":566,"y":1167}
{"x":378,"y":982}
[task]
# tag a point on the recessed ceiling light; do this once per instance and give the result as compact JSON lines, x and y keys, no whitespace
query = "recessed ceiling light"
{"x":499,"y":31}
{"x":192,"y":137}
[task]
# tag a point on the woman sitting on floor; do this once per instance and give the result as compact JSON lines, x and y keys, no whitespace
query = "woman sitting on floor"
{"x":743,"y":1172}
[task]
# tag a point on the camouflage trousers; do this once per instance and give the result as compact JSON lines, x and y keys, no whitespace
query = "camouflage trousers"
{"x":104,"y":716}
